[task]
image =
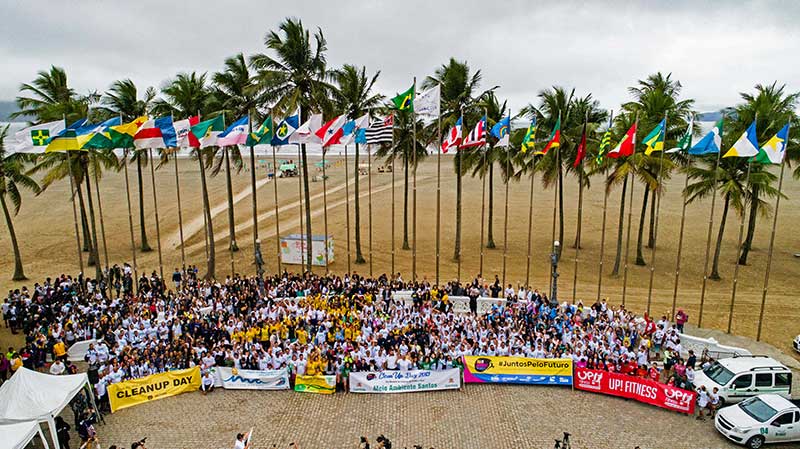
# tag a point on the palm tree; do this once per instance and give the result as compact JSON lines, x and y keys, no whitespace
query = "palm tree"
{"x":12,"y":177}
{"x":356,"y":98}
{"x":458,"y":93}
{"x":655,"y":98}
{"x":122,"y":98}
{"x":235,"y":92}
{"x":185,"y":95}
{"x":296,"y":77}
{"x":773,"y":107}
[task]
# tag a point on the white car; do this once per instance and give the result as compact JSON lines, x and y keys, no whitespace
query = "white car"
{"x":796,"y":343}
{"x":738,"y":378}
{"x":767,"y":418}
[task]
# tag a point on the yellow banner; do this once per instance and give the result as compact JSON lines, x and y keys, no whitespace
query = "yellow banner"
{"x":156,"y":386}
{"x":315,"y":384}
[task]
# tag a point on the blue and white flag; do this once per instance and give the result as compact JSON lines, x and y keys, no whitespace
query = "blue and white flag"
{"x":710,"y":143}
{"x":236,"y":134}
{"x":285,"y":129}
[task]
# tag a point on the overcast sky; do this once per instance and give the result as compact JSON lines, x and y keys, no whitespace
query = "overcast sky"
{"x":715,"y":48}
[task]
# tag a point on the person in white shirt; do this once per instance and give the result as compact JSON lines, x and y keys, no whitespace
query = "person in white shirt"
{"x":57,"y":368}
{"x":207,"y":384}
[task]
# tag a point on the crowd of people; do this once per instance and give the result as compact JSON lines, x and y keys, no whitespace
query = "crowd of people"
{"x":310,"y":324}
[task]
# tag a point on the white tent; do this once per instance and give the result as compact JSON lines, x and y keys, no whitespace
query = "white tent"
{"x":18,"y":435}
{"x":34,"y":396}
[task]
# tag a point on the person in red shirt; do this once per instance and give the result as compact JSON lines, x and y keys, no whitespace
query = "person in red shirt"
{"x":653,"y":373}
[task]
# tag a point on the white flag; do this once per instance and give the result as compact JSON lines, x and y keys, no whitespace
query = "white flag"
{"x":428,"y":102}
{"x":306,"y":133}
{"x":35,"y":138}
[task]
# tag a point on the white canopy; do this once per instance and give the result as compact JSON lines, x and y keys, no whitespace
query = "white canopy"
{"x":34,"y":396}
{"x":18,"y":435}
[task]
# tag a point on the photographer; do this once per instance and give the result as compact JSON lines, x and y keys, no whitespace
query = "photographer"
{"x":139,"y":444}
{"x":86,"y":429}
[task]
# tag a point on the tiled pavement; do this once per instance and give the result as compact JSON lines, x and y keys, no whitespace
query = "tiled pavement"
{"x":480,"y":416}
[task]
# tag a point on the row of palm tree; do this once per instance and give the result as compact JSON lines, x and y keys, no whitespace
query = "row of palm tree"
{"x":294,"y":74}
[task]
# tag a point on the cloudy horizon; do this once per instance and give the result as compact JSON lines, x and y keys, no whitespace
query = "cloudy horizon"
{"x":716,"y":52}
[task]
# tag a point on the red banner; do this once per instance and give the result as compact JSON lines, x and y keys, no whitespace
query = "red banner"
{"x":636,"y":388}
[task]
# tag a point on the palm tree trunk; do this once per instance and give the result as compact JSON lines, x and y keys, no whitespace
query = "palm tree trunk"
{"x":618,"y":257}
{"x":715,"y":266}
{"x":98,"y":273}
{"x":457,"y":244}
{"x":145,"y":246}
{"x":87,"y":237}
{"x":359,"y":255}
{"x":209,"y":225}
{"x":405,"y":204}
{"x":639,"y":240}
{"x":307,"y":195}
{"x":490,"y":231}
{"x":19,"y":273}
{"x":751,"y":226}
{"x":651,"y":235}
{"x":229,"y":185}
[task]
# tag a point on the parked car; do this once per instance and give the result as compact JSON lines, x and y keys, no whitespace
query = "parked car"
{"x":796,"y":343}
{"x":766,"y":418}
{"x":739,"y":378}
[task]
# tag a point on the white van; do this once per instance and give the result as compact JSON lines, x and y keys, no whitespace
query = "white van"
{"x":738,"y":378}
{"x":766,"y":418}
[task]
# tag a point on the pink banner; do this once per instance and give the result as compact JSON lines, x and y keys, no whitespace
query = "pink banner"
{"x":637,"y":388}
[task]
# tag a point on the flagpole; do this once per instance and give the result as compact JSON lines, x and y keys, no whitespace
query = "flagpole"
{"x":508,"y":181}
{"x":738,"y":250}
{"x":680,"y":246}
{"x":300,"y":208}
{"x":772,"y":237}
{"x":180,"y":213}
{"x":325,"y":208}
{"x":277,"y":218}
{"x":347,"y":204}
{"x":253,"y":181}
{"x":603,"y":226}
{"x":414,"y":187}
{"x":483,"y":206}
{"x":393,"y":195}
{"x":100,"y":210}
{"x":458,"y":207}
{"x":155,"y":209}
{"x":369,"y":199}
{"x":130,"y":218}
{"x":555,"y":207}
{"x":74,"y":192}
{"x":658,"y":210}
{"x":530,"y":214}
{"x":630,"y":216}
{"x":708,"y":239}
{"x":205,"y":218}
{"x":439,"y":185}
{"x":580,"y":214}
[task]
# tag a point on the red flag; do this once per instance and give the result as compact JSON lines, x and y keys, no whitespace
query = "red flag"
{"x":581,"y":149}
{"x":626,"y":146}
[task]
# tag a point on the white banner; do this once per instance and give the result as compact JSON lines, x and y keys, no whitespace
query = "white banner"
{"x":404,"y":381}
{"x":77,"y":351}
{"x":245,"y":379}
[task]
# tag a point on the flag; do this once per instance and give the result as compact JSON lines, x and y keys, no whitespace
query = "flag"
{"x":581,"y":148}
{"x":453,"y":138}
{"x":305,"y":133}
{"x":710,"y":143}
{"x":285,"y":129}
{"x":686,"y":141}
{"x":67,"y":139}
{"x":331,"y":132}
{"x":235,"y":134}
{"x":350,"y":135}
{"x":380,"y":130}
{"x":655,"y":140}
{"x":34,"y":139}
{"x":122,"y":135}
{"x":207,"y":131}
{"x":528,"y":142}
{"x":477,"y":136}
{"x":625,"y":147}
{"x":156,"y":133}
{"x":774,"y":150}
{"x":428,"y":103}
{"x":98,"y":137}
{"x":185,"y":139}
{"x":500,"y":131}
{"x":262,"y":135}
{"x":555,"y":137}
{"x":605,"y":142}
{"x":747,"y":145}
{"x":405,"y":100}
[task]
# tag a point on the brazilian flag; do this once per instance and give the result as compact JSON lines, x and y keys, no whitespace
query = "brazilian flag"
{"x":405,"y":100}
{"x":262,"y":135}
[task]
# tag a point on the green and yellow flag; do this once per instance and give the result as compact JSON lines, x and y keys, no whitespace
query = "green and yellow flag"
{"x":529,"y":141}
{"x":655,"y":140}
{"x":405,"y":100}
{"x":122,"y":135}
{"x":605,"y":142}
{"x":262,"y":135}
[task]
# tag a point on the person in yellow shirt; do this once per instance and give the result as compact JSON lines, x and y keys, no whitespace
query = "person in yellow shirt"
{"x":302,"y":336}
{"x":59,"y":349}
